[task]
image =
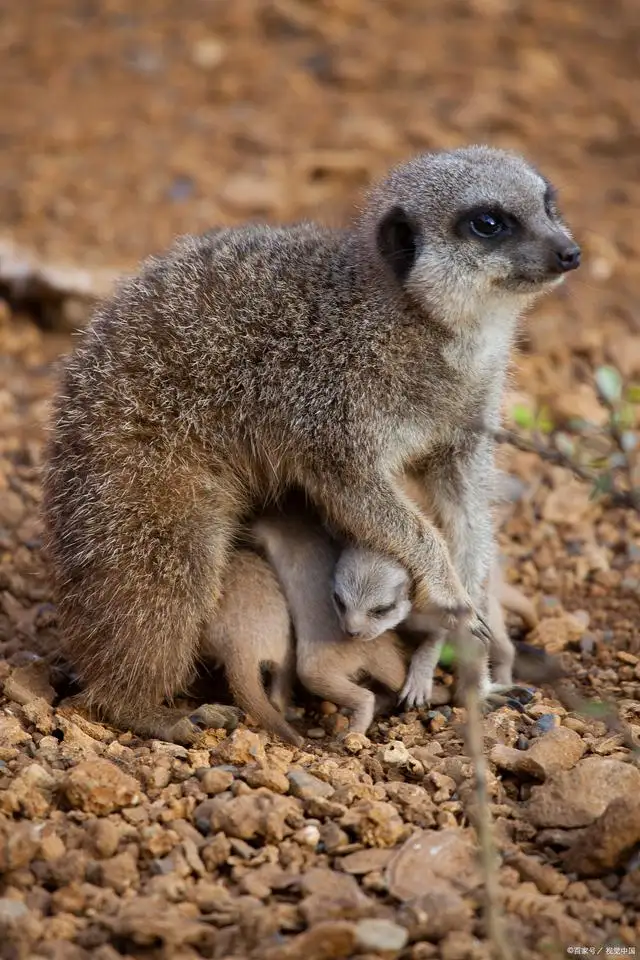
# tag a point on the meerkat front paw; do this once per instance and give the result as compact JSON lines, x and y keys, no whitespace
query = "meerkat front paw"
{"x":417,"y":690}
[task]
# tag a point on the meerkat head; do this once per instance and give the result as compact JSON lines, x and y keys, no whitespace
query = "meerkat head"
{"x":370,"y":593}
{"x":468,"y":230}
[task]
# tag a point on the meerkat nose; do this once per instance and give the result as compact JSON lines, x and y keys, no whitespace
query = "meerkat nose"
{"x":568,"y":258}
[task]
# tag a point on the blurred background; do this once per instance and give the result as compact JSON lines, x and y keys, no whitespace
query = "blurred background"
{"x":126,"y":123}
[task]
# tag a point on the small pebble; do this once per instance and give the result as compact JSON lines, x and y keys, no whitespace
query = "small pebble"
{"x":316,"y":733}
{"x":380,"y":935}
{"x":548,"y":721}
{"x":587,"y":643}
{"x":522,"y":743}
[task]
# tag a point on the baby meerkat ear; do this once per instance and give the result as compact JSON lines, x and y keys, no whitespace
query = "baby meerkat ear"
{"x":398,"y":239}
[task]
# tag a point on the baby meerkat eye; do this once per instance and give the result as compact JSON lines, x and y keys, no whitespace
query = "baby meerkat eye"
{"x":381,"y":611}
{"x":488,"y":225}
{"x":339,"y":602}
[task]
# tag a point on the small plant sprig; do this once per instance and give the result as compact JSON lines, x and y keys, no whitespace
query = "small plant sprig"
{"x":604,"y":456}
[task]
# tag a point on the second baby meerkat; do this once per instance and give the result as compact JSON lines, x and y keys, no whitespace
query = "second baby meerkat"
{"x":249,"y":360}
{"x":253,"y":631}
{"x":328,"y":663}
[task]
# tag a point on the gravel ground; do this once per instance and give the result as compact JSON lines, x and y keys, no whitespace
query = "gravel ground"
{"x":127,"y":125}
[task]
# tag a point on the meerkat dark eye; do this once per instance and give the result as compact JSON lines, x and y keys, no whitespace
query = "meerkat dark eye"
{"x":488,"y":226}
{"x":382,"y":611}
{"x":398,"y":241}
{"x":339,"y":602}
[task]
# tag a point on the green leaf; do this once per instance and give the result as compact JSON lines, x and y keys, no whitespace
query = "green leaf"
{"x":523,"y":417}
{"x":544,"y":423}
{"x":602,"y":486}
{"x":609,"y":383}
{"x":595,"y":708}
{"x":633,"y":393}
{"x":624,"y":418}
{"x":447,"y":655}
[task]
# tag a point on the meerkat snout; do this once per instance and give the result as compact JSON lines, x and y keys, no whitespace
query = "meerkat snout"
{"x":370,"y":593}
{"x":482,"y":231}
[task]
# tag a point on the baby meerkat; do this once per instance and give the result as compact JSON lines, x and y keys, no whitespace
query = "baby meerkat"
{"x":327,"y":662}
{"x":246,"y":361}
{"x":371,"y":595}
{"x":252,"y":630}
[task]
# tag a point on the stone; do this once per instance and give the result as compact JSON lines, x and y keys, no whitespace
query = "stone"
{"x":329,"y":940}
{"x":430,"y":856}
{"x":577,"y":797}
{"x":100,"y":787}
{"x":12,"y":733}
{"x":19,"y":844}
{"x":216,"y":781}
{"x":607,"y":844}
{"x":257,"y":814}
{"x":365,"y":861}
{"x":11,"y":910}
{"x":120,"y":872}
{"x":560,"y":749}
{"x":375,"y":822}
{"x":305,"y":786}
{"x":355,"y":742}
{"x":240,"y":748}
{"x":332,"y":896}
{"x":436,"y":913}
{"x":29,"y":683}
{"x":270,"y":777}
{"x":380,"y":935}
{"x":547,"y":879}
{"x":554,"y":634}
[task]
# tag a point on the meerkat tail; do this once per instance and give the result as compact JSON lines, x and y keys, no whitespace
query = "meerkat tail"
{"x":515,"y":601}
{"x":248,"y":692}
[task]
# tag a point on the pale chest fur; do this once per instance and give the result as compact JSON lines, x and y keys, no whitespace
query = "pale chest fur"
{"x":478,"y":359}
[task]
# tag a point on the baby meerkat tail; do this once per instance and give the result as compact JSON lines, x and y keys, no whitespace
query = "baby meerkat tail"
{"x":248,"y":692}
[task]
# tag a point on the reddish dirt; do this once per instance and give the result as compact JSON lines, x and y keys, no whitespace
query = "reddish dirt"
{"x":127,"y":124}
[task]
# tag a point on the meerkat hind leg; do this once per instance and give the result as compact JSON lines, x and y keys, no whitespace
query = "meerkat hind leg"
{"x":502,"y":691}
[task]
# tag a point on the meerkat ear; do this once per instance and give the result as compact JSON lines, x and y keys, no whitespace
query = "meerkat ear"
{"x":398,"y":241}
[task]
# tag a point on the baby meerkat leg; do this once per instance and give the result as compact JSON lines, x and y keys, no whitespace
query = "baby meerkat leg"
{"x":386,"y":662}
{"x":282,"y":681}
{"x":342,"y":691}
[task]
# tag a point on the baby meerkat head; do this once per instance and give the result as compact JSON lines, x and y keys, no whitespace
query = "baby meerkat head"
{"x":370,"y":593}
{"x":468,"y":230}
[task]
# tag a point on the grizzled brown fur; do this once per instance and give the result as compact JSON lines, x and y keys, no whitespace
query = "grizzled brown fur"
{"x":247,"y":360}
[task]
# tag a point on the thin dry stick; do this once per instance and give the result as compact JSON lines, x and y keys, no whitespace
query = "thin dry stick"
{"x":617,"y":498}
{"x":468,"y":654}
{"x":628,"y":458}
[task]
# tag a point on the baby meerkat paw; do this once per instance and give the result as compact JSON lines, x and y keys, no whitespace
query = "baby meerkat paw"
{"x":417,"y":690}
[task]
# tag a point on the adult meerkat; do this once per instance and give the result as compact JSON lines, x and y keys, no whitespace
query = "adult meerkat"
{"x":248,"y":360}
{"x":252,"y":630}
{"x":328,"y":663}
